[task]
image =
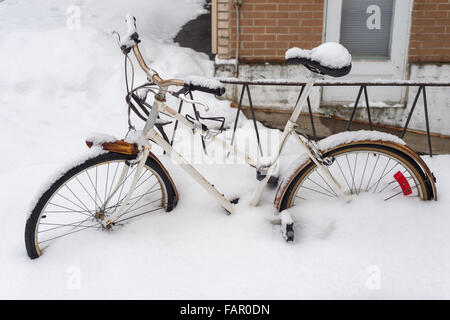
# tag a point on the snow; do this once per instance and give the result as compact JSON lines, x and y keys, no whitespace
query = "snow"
{"x":203,"y":82}
{"x":382,"y":82}
{"x":352,"y":136}
{"x":59,"y":84}
{"x":218,"y":61}
{"x":100,"y":138}
{"x":136,"y":136}
{"x":329,"y":54}
{"x":131,"y":29}
{"x":374,"y":104}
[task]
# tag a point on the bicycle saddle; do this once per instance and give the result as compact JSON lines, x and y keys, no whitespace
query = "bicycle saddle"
{"x":329,"y":58}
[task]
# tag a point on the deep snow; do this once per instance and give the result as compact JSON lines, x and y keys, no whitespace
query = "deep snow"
{"x":58,"y":85}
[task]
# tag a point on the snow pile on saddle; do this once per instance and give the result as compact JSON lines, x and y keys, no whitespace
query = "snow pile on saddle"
{"x":352,"y":136}
{"x":329,"y":54}
{"x":203,"y":82}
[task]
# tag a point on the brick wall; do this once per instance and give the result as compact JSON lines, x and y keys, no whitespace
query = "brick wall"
{"x":223,"y":30}
{"x":270,"y":27}
{"x":430,"y":31}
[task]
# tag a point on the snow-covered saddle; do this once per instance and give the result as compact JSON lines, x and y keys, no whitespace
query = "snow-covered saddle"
{"x":330,"y":58}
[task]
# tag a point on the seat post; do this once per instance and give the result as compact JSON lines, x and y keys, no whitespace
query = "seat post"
{"x":299,"y":105}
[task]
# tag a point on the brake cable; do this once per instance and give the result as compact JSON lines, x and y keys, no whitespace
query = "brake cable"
{"x":130,"y":125}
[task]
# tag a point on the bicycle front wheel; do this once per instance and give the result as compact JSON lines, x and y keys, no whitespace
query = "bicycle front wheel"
{"x":360,"y":168}
{"x":86,"y":195}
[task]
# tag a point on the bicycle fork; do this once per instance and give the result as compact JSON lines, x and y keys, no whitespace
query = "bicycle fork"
{"x":290,"y":130}
{"x":137,"y":174}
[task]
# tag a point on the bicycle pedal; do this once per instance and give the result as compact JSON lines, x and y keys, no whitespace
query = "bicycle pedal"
{"x":287,"y":226}
{"x":289,"y":232}
{"x":273,"y":181}
{"x":234,"y":200}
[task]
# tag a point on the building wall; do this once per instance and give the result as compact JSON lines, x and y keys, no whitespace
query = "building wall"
{"x":270,"y":27}
{"x":223,"y":30}
{"x":430,"y":32}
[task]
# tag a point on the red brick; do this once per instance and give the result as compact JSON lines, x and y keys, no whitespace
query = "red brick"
{"x":257,"y":15}
{"x":265,"y":22}
{"x":277,"y":45}
{"x":277,"y":29}
{"x":289,"y":7}
{"x":287,"y":37}
{"x":312,"y":7}
{"x":265,"y":7}
{"x":253,"y":44}
{"x":269,"y":27}
{"x":265,"y":52}
{"x":300,"y":15}
{"x":277,"y":15}
{"x":264,"y":37}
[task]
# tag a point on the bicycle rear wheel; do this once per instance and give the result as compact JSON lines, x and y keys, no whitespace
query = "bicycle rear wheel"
{"x":90,"y":192}
{"x":360,"y":168}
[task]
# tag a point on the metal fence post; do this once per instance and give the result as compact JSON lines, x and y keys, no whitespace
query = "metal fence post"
{"x":237,"y":114}
{"x":367,"y":107}
{"x":411,"y":112}
{"x":254,"y":120}
{"x":354,"y":108}
{"x":425,"y":106}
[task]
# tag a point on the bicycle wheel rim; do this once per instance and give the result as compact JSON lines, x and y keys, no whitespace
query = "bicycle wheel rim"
{"x":133,"y":209}
{"x":391,"y":164}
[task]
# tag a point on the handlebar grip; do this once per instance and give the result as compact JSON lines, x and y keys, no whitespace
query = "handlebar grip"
{"x":217,"y":91}
{"x":195,"y":83}
{"x":131,"y":38}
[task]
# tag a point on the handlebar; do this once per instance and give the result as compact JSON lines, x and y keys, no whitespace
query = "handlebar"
{"x":131,"y":41}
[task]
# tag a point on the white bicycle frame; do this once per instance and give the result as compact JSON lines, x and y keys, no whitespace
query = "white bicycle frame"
{"x":151,"y":134}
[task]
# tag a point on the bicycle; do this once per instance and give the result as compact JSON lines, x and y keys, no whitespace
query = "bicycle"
{"x":124,"y":179}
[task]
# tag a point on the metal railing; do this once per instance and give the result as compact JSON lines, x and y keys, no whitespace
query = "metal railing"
{"x":322,"y":83}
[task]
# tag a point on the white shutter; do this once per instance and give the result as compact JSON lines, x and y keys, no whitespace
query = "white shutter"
{"x":366,"y":27}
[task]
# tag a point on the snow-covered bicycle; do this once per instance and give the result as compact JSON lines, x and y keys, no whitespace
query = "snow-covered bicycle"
{"x":123,"y":179}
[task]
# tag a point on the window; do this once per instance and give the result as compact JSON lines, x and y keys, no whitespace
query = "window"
{"x":366,"y":27}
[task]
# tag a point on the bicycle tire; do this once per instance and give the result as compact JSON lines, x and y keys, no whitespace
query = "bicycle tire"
{"x":152,"y":165}
{"x":422,"y":184}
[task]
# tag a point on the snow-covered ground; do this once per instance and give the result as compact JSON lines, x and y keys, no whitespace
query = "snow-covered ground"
{"x":58,"y":84}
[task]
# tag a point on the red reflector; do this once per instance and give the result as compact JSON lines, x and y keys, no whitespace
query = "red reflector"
{"x":403,"y":183}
